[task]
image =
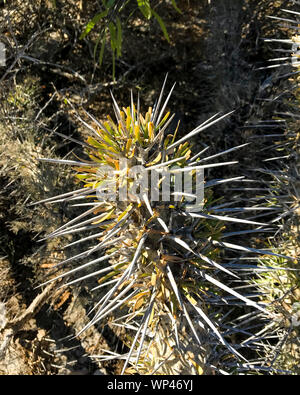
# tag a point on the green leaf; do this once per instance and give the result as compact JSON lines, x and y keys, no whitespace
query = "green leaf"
{"x":119,"y":37}
{"x":161,"y":24}
{"x":175,"y":6}
{"x":145,"y":8}
{"x":110,"y":3}
{"x":92,"y":23}
{"x":113,"y":36}
{"x":96,"y":45}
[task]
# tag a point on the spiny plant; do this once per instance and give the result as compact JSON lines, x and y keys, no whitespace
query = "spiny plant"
{"x":289,"y":46}
{"x":281,"y":287}
{"x":158,"y":261}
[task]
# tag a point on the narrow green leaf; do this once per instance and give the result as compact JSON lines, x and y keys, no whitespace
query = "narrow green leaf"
{"x":176,"y":7}
{"x":119,"y":37}
{"x":110,"y":3}
{"x":113,"y":36}
{"x":145,"y":8}
{"x":114,"y":65}
{"x":96,"y":46}
{"x":102,"y":49}
{"x":91,"y":24}
{"x":162,"y":25}
{"x":113,"y":43}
